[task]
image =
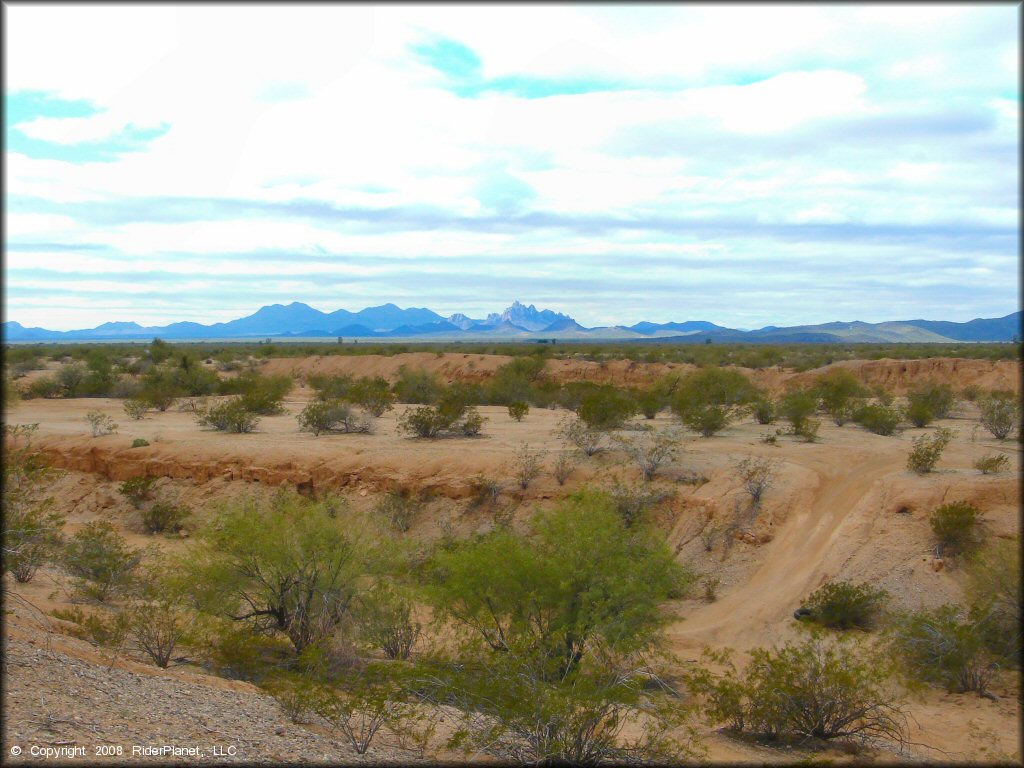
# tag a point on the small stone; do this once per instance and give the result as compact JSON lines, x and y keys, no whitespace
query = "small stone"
{"x":279,"y":730}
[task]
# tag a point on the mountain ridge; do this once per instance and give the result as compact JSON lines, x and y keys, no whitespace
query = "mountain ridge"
{"x":521,"y":321}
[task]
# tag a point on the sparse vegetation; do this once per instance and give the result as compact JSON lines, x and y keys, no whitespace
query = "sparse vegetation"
{"x":527,"y":466}
{"x":756,"y":475}
{"x":927,"y":450}
{"x":879,"y":418}
{"x":845,"y":605}
{"x":1000,"y":413}
{"x":229,"y":416}
{"x":518,"y":410}
{"x":631,"y":501}
{"x":100,"y":560}
{"x":137,"y":490}
{"x":563,"y":466}
{"x":332,"y":416}
{"x":135,"y":408}
{"x":649,"y":449}
{"x":164,"y":516}
{"x":812,"y":689}
{"x":100,"y":424}
{"x":992,"y":463}
{"x":140,"y":442}
{"x":575,"y":432}
{"x":956,"y":526}
{"x":941,"y":646}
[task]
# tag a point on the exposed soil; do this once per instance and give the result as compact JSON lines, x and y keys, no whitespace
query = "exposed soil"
{"x":845,"y":507}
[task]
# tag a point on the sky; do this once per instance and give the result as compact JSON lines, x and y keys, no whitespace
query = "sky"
{"x":743,"y":164}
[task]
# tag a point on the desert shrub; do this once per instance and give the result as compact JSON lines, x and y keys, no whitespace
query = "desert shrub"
{"x":136,"y":409}
{"x":563,"y":467}
{"x":722,"y":386}
{"x":810,"y":689}
{"x":369,"y":700}
{"x":484,"y":491}
{"x":879,"y":418}
{"x":331,"y":387}
{"x":971,"y":393}
{"x":631,"y":501}
{"x":510,"y":592}
{"x":518,"y":410}
{"x":31,"y":528}
{"x":993,"y":587}
{"x":839,"y":391}
{"x":424,"y":421}
{"x":140,"y":442}
{"x":1000,"y":413}
{"x":844,"y":605}
{"x":927,"y":449}
{"x":157,"y":627}
{"x":919,"y":413}
{"x":385,"y":620}
{"x":282,"y":565}
{"x":931,"y":398}
{"x":164,"y":516}
{"x":46,"y":387}
{"x":706,"y":419}
{"x":100,"y":560}
{"x":332,"y":416}
{"x":938,"y":646}
{"x":295,"y":693}
{"x":398,"y":509}
{"x":372,"y":395}
{"x":417,"y":386}
{"x":100,"y":424}
{"x":527,"y":466}
{"x":992,"y":463}
{"x":70,"y":377}
{"x":472,"y":422}
{"x":237,"y":652}
{"x":229,"y":416}
{"x":650,"y":401}
{"x":606,"y":408}
{"x":808,"y":430}
{"x":649,"y":450}
{"x":756,"y":475}
{"x":765,"y":410}
{"x":576,"y":433}
{"x":259,"y":394}
{"x":797,"y":406}
{"x":956,"y":526}
{"x":137,"y":490}
{"x":710,"y":588}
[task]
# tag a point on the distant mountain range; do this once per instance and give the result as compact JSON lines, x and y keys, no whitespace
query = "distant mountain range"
{"x":297,"y":320}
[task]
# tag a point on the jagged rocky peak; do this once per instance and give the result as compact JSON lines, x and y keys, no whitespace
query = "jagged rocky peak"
{"x":461,"y":321}
{"x":528,"y":317}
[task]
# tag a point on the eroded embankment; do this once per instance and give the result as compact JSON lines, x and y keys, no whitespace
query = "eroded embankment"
{"x":897,"y":376}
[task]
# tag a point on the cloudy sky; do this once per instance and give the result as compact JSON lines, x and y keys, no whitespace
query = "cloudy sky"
{"x":740,"y":164}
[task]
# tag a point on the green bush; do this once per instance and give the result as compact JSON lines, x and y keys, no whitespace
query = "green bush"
{"x":708,"y":400}
{"x":259,"y":394}
{"x":100,"y":560}
{"x":1000,"y":413}
{"x":797,"y":406}
{"x":993,"y":589}
{"x":372,"y":395}
{"x":880,"y":419}
{"x":31,"y":529}
{"x":956,"y":525}
{"x":706,"y":419}
{"x":417,"y":386}
{"x":920,"y":413}
{"x":765,"y":410}
{"x":927,"y":449}
{"x":385,"y":620}
{"x":810,"y":689}
{"x":164,"y":516}
{"x":135,"y":408}
{"x":398,"y":509}
{"x":229,"y":416}
{"x":839,"y":392}
{"x":332,"y":416}
{"x":650,"y":401}
{"x":518,"y":410}
{"x":606,"y":408}
{"x":334,"y":387}
{"x":939,"y":647}
{"x":844,"y":605}
{"x":137,"y":490}
{"x":46,"y":387}
{"x":140,"y":442}
{"x":992,"y":463}
{"x":100,"y":424}
{"x":932,"y":398}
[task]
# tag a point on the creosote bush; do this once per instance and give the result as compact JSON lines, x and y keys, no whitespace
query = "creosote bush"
{"x":1000,"y":413}
{"x":992,"y":463}
{"x":563,"y":467}
{"x":332,"y":416}
{"x":229,"y":416}
{"x":135,"y":408}
{"x":100,"y":560}
{"x":527,"y":466}
{"x":385,"y":621}
{"x":927,"y":449}
{"x":956,"y":526}
{"x":163,"y":517}
{"x":844,"y":605}
{"x":100,"y":424}
{"x":137,"y":490}
{"x":650,"y":449}
{"x":576,"y":433}
{"x":882,"y":419}
{"x":765,"y":410}
{"x":756,"y":475}
{"x":140,"y":442}
{"x":940,"y":646}
{"x":518,"y":410}
{"x":811,"y":689}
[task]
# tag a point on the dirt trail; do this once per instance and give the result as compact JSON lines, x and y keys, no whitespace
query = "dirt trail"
{"x":803,"y":553}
